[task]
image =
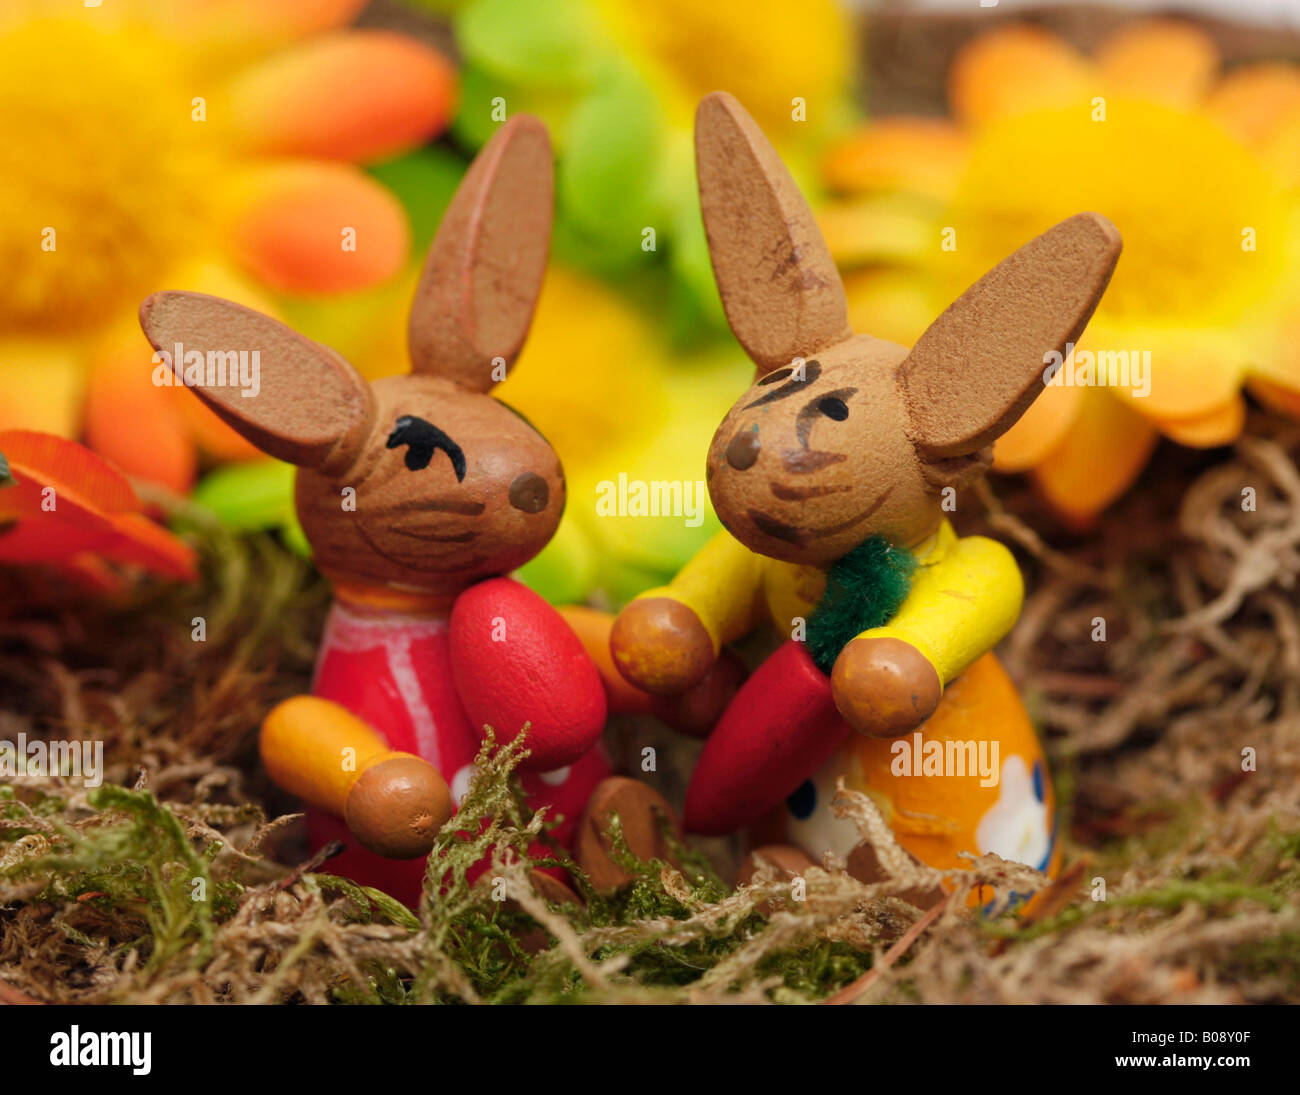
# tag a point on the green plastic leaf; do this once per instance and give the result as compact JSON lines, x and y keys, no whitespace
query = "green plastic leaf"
{"x":254,"y":497}
{"x":424,"y":181}
{"x":474,"y":122}
{"x":607,"y":177}
{"x":251,"y":496}
{"x":564,"y":571}
{"x":6,"y":476}
{"x":516,"y":42}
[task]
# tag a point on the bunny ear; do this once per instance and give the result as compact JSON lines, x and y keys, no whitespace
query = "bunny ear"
{"x":978,"y":367}
{"x":780,"y":289}
{"x":293,"y":398}
{"x":484,"y":271}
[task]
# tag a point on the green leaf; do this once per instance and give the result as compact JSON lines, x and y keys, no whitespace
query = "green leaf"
{"x":512,"y":40}
{"x":252,"y":496}
{"x":424,"y":181}
{"x":607,"y":177}
{"x":6,"y":476}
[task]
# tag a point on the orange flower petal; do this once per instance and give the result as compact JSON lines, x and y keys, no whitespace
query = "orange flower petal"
{"x":1102,"y":453}
{"x":359,"y":95}
{"x":134,"y":423}
{"x":1276,"y":397}
{"x":1255,"y":99}
{"x":1014,"y":69}
{"x":141,"y":542}
{"x":1039,"y":431}
{"x":79,"y":477}
{"x":320,"y":228}
{"x":53,"y":541}
{"x":1220,"y":426}
{"x":923,"y":155}
{"x":258,"y":21}
{"x":1165,"y":60}
{"x":1192,"y":372}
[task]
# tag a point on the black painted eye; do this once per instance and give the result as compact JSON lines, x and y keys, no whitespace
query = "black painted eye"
{"x":772,"y":378}
{"x":804,"y":800}
{"x":423,"y":439}
{"x":833,"y":408}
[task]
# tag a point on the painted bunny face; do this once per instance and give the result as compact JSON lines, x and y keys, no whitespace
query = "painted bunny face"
{"x":421,"y":481}
{"x":451,"y":487}
{"x":814,"y":459}
{"x":843,"y":436}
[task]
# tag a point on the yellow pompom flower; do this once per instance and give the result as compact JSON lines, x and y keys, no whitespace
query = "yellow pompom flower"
{"x":1199,"y":170}
{"x":210,"y":145}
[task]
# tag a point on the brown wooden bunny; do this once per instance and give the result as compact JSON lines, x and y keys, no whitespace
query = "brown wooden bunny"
{"x":828,"y":475}
{"x":415,"y":492}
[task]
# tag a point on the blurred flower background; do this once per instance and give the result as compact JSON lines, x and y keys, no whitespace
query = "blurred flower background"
{"x":231,"y":146}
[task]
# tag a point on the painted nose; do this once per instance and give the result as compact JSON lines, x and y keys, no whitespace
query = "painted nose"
{"x":744,"y":448}
{"x":529,"y":492}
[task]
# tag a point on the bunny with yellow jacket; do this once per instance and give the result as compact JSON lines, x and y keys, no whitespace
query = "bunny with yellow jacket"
{"x":828,"y":475}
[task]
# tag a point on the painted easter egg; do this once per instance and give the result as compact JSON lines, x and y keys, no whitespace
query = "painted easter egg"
{"x":972,"y":778}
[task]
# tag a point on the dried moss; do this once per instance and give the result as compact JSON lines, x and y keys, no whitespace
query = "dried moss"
{"x":1145,"y":732}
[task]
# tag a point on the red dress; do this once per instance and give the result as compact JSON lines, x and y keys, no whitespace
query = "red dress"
{"x":394,"y":672}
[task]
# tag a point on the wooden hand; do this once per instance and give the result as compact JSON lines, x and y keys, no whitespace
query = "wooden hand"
{"x":884,"y":687}
{"x":661,"y":646}
{"x":395,"y":803}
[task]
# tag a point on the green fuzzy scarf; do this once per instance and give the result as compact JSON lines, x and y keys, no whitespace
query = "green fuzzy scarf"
{"x":864,"y":589}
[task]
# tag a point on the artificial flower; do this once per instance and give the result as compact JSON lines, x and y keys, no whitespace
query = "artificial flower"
{"x":1200,"y":171}
{"x":164,"y":144}
{"x":63,"y":506}
{"x":618,"y":81}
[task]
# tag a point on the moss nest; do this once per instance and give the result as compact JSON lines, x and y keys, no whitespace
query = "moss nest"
{"x":1175,"y":740}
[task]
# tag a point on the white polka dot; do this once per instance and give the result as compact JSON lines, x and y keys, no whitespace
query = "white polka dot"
{"x":461,"y":783}
{"x":555,"y":776}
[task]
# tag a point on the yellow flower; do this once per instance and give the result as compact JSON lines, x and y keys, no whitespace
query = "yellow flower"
{"x":212,"y":146}
{"x":1200,"y":172}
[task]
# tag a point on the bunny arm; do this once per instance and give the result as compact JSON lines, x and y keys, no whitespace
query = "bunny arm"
{"x":693,"y":712}
{"x":667,"y":639}
{"x":393,"y":802}
{"x":517,"y":663}
{"x":965,"y":597}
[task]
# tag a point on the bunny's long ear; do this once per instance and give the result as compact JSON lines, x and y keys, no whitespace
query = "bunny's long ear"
{"x":485,"y":267}
{"x":780,"y":289}
{"x":291,"y":397}
{"x":979,"y":365}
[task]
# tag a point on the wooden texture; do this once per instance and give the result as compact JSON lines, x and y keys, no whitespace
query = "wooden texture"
{"x":980,"y":365}
{"x":484,"y":271}
{"x":310,"y":407}
{"x":779,"y":286}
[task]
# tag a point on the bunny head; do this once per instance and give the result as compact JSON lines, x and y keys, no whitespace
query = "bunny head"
{"x":845,"y":436}
{"x":448,"y":485}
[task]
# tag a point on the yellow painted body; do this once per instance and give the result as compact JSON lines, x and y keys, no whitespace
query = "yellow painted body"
{"x":317,"y":750}
{"x":965,"y":596}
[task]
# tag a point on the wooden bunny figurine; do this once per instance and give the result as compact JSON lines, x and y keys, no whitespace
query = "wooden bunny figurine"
{"x":828,"y":476}
{"x":417,"y":492}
